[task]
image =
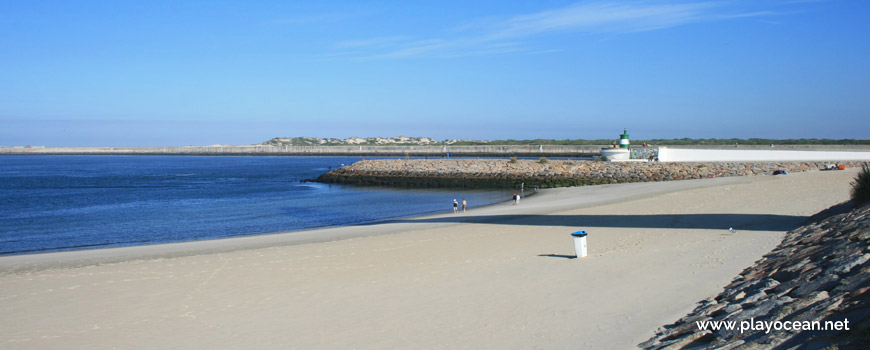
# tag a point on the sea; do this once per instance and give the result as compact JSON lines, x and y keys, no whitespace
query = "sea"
{"x":71,"y":202}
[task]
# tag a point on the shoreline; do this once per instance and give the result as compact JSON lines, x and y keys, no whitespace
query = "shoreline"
{"x":239,"y":237}
{"x":385,"y":220}
{"x":84,"y":257}
{"x":495,"y":277}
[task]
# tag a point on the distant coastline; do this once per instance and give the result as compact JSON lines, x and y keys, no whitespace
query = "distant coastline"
{"x":540,"y":150}
{"x":428,"y":141}
{"x":347,"y":150}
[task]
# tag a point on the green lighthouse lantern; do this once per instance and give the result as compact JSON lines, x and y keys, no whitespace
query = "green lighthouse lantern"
{"x":623,"y":139}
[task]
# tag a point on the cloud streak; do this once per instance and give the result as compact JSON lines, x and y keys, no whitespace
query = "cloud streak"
{"x":604,"y":17}
{"x":510,"y":35}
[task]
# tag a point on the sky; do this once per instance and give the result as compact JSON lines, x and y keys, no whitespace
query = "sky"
{"x":175,"y":73}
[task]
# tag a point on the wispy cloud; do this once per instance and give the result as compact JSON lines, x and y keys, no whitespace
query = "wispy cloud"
{"x":748,"y":14}
{"x":511,"y":35}
{"x":604,"y":17}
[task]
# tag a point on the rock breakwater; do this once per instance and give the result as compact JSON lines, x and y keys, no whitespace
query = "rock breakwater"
{"x":819,"y":273}
{"x":503,"y":173}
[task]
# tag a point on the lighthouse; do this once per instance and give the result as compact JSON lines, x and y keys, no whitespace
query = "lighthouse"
{"x":620,"y":153}
{"x":623,"y":139}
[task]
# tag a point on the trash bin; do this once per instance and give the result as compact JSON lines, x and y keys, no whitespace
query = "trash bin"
{"x":579,"y":243}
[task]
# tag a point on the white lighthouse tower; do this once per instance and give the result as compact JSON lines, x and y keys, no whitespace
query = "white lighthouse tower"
{"x":622,"y":152}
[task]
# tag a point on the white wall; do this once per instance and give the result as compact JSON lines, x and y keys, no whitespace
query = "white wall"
{"x":616,"y":153}
{"x":718,"y":155}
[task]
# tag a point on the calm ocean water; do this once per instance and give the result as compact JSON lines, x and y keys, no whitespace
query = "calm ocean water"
{"x":53,"y":203}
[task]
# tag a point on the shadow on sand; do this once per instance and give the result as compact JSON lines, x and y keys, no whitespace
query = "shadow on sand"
{"x":559,"y":256}
{"x":751,"y":222}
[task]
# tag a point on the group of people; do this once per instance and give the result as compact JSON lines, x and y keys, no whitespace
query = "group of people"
{"x":456,"y":205}
{"x":464,"y":204}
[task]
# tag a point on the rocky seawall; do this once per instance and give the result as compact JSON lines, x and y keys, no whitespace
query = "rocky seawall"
{"x":503,"y":173}
{"x":811,"y":292}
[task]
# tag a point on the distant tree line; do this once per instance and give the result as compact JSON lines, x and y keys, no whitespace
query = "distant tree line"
{"x":682,"y":141}
{"x":302,"y":141}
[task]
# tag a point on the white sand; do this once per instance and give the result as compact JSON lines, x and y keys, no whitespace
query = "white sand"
{"x":498,"y":279}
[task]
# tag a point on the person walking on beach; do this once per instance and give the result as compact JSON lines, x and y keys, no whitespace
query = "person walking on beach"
{"x":464,"y":205}
{"x":455,"y":205}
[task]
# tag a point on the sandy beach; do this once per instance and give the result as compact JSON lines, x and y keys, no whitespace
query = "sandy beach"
{"x":500,"y":277}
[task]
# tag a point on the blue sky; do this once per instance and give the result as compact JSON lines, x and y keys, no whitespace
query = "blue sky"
{"x":170,"y":73}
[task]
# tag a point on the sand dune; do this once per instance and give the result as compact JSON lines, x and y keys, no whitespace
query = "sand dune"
{"x":496,"y":277}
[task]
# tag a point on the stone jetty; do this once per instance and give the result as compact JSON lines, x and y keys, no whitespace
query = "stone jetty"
{"x":819,"y":273}
{"x":504,"y":173}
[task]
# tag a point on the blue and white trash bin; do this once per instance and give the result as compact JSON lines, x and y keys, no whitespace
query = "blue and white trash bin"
{"x":579,"y":243}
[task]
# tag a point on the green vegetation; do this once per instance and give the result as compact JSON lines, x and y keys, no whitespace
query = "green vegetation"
{"x":543,"y":160}
{"x":513,"y":160}
{"x":407,"y":141}
{"x":354,"y":141}
{"x":665,"y":142}
{"x":754,"y":141}
{"x":861,"y":186}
